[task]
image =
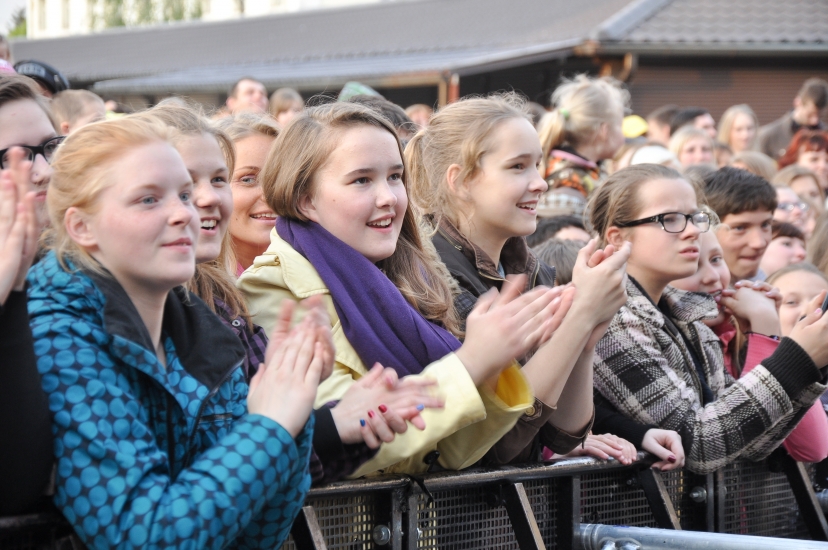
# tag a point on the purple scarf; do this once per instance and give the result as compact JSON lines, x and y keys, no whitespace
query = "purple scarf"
{"x":378,"y":321}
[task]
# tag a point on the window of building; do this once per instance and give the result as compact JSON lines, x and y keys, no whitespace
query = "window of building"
{"x":65,"y":14}
{"x":41,"y":15}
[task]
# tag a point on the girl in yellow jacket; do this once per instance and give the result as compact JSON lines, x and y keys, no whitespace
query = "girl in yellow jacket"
{"x":336,"y":179}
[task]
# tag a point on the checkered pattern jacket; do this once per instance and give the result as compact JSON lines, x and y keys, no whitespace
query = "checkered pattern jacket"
{"x":649,"y":375}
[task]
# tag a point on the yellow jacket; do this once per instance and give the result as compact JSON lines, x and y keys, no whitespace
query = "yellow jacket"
{"x":474,"y":418}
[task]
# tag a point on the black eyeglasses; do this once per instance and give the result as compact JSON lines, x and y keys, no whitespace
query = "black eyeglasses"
{"x":47,"y":149}
{"x":673,"y":222}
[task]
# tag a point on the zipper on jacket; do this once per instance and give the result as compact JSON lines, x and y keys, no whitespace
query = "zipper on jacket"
{"x":213,"y":391}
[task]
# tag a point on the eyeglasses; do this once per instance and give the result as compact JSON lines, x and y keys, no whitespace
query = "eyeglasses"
{"x":673,"y":222}
{"x":47,"y":149}
{"x":789,"y":206}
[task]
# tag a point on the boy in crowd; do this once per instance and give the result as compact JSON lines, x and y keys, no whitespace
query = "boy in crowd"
{"x":658,"y":124}
{"x":247,"y":95}
{"x":810,"y":106}
{"x":694,"y":116}
{"x":745,"y":204}
{"x":76,"y":108}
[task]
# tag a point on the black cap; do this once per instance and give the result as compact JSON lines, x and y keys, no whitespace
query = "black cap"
{"x":45,"y":74}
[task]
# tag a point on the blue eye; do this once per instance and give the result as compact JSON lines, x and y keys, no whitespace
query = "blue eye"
{"x":185,"y":196}
{"x":248,"y":180}
{"x":148,"y":200}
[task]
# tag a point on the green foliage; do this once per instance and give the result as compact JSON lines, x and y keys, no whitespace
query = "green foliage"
{"x":113,"y":15}
{"x":144,"y":12}
{"x":174,"y":10}
{"x":18,"y":24}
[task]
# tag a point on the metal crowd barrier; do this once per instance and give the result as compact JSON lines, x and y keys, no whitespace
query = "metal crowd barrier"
{"x":568,"y":504}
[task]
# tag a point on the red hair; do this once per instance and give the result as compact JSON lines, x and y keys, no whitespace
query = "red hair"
{"x":804,"y":140}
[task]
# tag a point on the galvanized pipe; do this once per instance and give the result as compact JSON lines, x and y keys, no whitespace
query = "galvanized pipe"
{"x":603,"y":537}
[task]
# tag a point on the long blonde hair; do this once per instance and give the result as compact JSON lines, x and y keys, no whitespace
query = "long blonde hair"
{"x":81,"y":172}
{"x":460,"y":133}
{"x":726,"y":125}
{"x":580,"y":106}
{"x":288,"y":176}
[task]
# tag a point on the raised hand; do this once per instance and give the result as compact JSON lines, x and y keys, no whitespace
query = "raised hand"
{"x":18,"y":226}
{"x":667,"y":446}
{"x":284,"y":388}
{"x":811,"y":332}
{"x":753,"y":306}
{"x":502,"y":326}
{"x":316,"y":314}
{"x":600,"y":277}
{"x":379,"y":405}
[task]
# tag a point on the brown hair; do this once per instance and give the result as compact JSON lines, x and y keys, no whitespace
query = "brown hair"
{"x":288,"y":176}
{"x":792,"y":268}
{"x":82,"y":172}
{"x":787,"y":175}
{"x":560,"y":254}
{"x":818,"y":245}
{"x":18,"y":87}
{"x":283,"y":99}
{"x":580,"y":106}
{"x":755,"y":163}
{"x":617,"y":200}
{"x":785,"y":229}
{"x":212,"y":279}
{"x":814,"y":90}
{"x":242,"y":125}
{"x":460,"y":133}
{"x":69,"y":105}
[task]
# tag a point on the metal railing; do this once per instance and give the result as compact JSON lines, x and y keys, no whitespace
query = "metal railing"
{"x":567,"y":504}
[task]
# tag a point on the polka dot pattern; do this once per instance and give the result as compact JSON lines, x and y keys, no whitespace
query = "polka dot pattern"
{"x":149,"y":456}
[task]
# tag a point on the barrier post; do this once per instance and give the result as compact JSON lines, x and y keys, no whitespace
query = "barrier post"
{"x":806,"y":499}
{"x":523,"y":519}
{"x":660,"y":502}
{"x":568,"y":521}
{"x":306,"y":532}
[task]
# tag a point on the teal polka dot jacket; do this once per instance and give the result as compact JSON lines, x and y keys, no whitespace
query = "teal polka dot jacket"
{"x":154,"y":457}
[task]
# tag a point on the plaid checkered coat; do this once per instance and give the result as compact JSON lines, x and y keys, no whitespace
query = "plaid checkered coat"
{"x":649,"y":375}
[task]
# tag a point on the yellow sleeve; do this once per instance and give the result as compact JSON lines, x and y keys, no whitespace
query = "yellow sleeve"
{"x":503,"y":409}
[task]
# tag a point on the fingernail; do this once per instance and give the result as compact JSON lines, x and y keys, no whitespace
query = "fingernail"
{"x":370,"y":414}
{"x":362,"y":422}
{"x":383,"y":409}
{"x":671,"y":459}
{"x":420,"y":407}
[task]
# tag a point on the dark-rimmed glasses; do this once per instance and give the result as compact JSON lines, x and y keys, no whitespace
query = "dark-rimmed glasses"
{"x":47,"y":149}
{"x":673,"y":222}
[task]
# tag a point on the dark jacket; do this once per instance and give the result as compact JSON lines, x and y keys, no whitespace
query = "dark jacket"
{"x":645,"y":367}
{"x":775,"y":137}
{"x":25,"y":423}
{"x":155,"y":456}
{"x":475,"y":273}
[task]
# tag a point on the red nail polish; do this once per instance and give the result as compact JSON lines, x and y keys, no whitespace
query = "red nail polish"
{"x":370,"y":414}
{"x":671,"y":459}
{"x":383,"y":409}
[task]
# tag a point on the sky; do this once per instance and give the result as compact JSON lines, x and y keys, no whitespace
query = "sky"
{"x":7,"y":8}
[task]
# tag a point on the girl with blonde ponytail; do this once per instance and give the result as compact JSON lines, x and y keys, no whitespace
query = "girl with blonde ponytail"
{"x":474,"y":173}
{"x":583,"y":128}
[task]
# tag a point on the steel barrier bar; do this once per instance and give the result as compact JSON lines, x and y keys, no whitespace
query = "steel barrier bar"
{"x":568,"y":517}
{"x":600,"y":537}
{"x":808,"y":504}
{"x":306,"y":532}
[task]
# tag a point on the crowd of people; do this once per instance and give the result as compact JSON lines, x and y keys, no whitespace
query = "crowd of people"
{"x":205,"y":314}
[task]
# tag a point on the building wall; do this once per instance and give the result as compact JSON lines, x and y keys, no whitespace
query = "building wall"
{"x":768,"y":86}
{"x":53,"y":18}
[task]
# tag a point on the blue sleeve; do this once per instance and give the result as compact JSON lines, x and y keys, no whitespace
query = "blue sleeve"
{"x":114,"y":483}
{"x":271,"y":527}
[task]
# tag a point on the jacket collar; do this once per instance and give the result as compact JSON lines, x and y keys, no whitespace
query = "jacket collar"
{"x":206,"y":348}
{"x":301,"y":281}
{"x":684,"y":307}
{"x":515,"y":256}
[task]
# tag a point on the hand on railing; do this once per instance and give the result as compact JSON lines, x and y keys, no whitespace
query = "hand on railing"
{"x":379,"y":405}
{"x":665,"y":445}
{"x":604,"y":446}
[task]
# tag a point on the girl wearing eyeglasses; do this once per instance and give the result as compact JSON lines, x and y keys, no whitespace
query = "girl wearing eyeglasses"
{"x":25,"y":121}
{"x":660,"y":364}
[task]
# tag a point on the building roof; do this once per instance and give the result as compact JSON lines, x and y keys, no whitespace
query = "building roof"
{"x":366,"y":31}
{"x":411,"y":42}
{"x":759,"y":26}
